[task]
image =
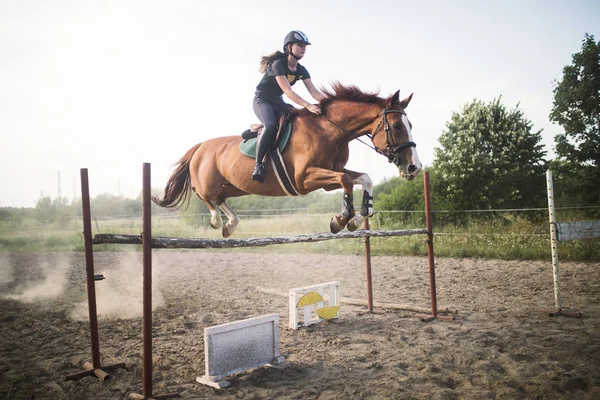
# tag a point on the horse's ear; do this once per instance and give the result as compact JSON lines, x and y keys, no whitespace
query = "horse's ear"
{"x":404,"y":103}
{"x":394,"y":99}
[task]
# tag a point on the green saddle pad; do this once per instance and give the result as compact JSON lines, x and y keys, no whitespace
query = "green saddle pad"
{"x":248,"y":147}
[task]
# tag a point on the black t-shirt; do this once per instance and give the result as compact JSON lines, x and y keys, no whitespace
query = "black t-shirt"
{"x":268,"y":88}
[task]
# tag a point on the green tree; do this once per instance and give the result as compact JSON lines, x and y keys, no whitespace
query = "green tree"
{"x":398,"y":194}
{"x":577,"y":109}
{"x":490,"y":158}
{"x":45,"y":210}
{"x":403,"y":197}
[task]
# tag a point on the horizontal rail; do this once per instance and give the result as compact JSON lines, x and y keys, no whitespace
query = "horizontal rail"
{"x":199,"y":243}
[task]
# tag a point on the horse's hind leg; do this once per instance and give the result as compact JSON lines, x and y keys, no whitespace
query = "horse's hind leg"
{"x":232,"y":220}
{"x":215,"y":214}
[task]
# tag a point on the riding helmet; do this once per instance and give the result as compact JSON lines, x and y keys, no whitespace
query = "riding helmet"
{"x":295,"y":37}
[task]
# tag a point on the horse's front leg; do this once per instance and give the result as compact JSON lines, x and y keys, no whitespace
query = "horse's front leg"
{"x":320,"y":178}
{"x":339,"y":221}
{"x":366,"y":209}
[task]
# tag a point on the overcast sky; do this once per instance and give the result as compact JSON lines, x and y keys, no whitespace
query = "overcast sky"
{"x":108,"y":85}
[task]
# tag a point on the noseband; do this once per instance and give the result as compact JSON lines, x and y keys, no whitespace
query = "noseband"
{"x":392,"y":148}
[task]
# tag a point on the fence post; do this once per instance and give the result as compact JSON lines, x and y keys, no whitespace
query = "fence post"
{"x":553,"y":240}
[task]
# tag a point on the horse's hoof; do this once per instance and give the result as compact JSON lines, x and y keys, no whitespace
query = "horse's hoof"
{"x":226,"y":232}
{"x":355,"y":223}
{"x":215,"y":225}
{"x":333,"y":226}
{"x":337,"y":224}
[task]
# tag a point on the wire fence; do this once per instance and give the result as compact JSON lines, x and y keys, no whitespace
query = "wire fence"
{"x":446,"y":222}
{"x":515,"y":233}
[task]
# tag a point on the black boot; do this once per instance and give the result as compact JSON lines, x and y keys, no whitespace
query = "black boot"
{"x":259,"y":173}
{"x":262,"y":147}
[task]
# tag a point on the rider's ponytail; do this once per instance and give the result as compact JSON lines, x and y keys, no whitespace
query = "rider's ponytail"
{"x":265,"y":61}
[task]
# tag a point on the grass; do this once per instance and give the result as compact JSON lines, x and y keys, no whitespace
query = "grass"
{"x":499,"y":238}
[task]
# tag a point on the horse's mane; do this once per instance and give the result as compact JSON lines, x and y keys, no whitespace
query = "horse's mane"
{"x":339,"y":91}
{"x":350,"y":93}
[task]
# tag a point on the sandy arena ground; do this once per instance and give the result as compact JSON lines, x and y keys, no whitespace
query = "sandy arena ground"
{"x":499,"y":347}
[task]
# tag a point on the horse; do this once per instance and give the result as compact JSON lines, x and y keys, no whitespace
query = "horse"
{"x":315,"y":157}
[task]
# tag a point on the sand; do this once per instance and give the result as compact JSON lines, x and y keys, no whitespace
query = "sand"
{"x":499,"y":346}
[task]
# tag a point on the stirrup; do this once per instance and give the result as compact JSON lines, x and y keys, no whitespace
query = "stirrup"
{"x":259,"y":173}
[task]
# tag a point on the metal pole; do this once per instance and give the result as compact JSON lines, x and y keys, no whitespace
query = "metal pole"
{"x":429,"y":224}
{"x":89,"y":266}
{"x":368,"y":259}
{"x":147,"y":289}
{"x":553,"y":240}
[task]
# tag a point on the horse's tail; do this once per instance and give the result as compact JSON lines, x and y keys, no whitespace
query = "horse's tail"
{"x":177,"y":191}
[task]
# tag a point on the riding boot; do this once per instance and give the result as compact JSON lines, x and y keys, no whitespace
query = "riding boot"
{"x":258,"y":174}
{"x":262,"y":146}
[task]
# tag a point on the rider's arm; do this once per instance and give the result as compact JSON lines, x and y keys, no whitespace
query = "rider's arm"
{"x":287,"y":90}
{"x":314,"y":92}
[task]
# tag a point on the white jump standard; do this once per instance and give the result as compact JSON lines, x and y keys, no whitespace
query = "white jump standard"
{"x":306,"y":298}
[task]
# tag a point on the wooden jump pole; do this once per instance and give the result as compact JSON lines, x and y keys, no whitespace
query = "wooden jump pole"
{"x":95,"y":368}
{"x":200,"y":243}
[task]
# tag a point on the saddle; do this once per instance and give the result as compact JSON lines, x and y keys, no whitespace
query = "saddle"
{"x":276,"y":161}
{"x":248,"y":145}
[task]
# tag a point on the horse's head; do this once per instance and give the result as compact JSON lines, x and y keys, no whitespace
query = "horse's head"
{"x":396,"y":142}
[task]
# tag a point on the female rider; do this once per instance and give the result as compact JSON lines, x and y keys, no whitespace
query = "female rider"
{"x":280,"y":72}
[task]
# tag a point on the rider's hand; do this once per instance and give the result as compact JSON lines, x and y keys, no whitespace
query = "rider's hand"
{"x":313,"y":109}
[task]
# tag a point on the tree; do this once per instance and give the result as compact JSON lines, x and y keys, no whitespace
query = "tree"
{"x":45,"y":211}
{"x":577,"y":109}
{"x":401,"y":195}
{"x":489,"y":158}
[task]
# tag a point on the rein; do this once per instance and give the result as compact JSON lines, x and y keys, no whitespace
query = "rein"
{"x":391,"y":147}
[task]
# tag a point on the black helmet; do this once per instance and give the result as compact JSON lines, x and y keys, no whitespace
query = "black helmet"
{"x":295,"y":37}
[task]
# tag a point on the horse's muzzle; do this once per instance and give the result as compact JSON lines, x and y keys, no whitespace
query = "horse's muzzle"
{"x":410,"y":173}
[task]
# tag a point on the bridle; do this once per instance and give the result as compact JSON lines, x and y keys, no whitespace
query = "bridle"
{"x":392,"y":148}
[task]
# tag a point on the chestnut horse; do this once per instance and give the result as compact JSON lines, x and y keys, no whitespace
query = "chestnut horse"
{"x":314,"y":157}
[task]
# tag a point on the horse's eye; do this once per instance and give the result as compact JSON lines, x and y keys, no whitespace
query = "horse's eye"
{"x":397,"y":127}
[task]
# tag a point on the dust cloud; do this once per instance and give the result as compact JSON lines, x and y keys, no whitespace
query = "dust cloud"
{"x":119,"y":296}
{"x":6,"y":270}
{"x":52,"y":282}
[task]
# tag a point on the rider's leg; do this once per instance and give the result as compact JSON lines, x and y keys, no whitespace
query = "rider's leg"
{"x":268,"y":116}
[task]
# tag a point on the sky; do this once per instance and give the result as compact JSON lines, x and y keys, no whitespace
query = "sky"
{"x":108,"y":85}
